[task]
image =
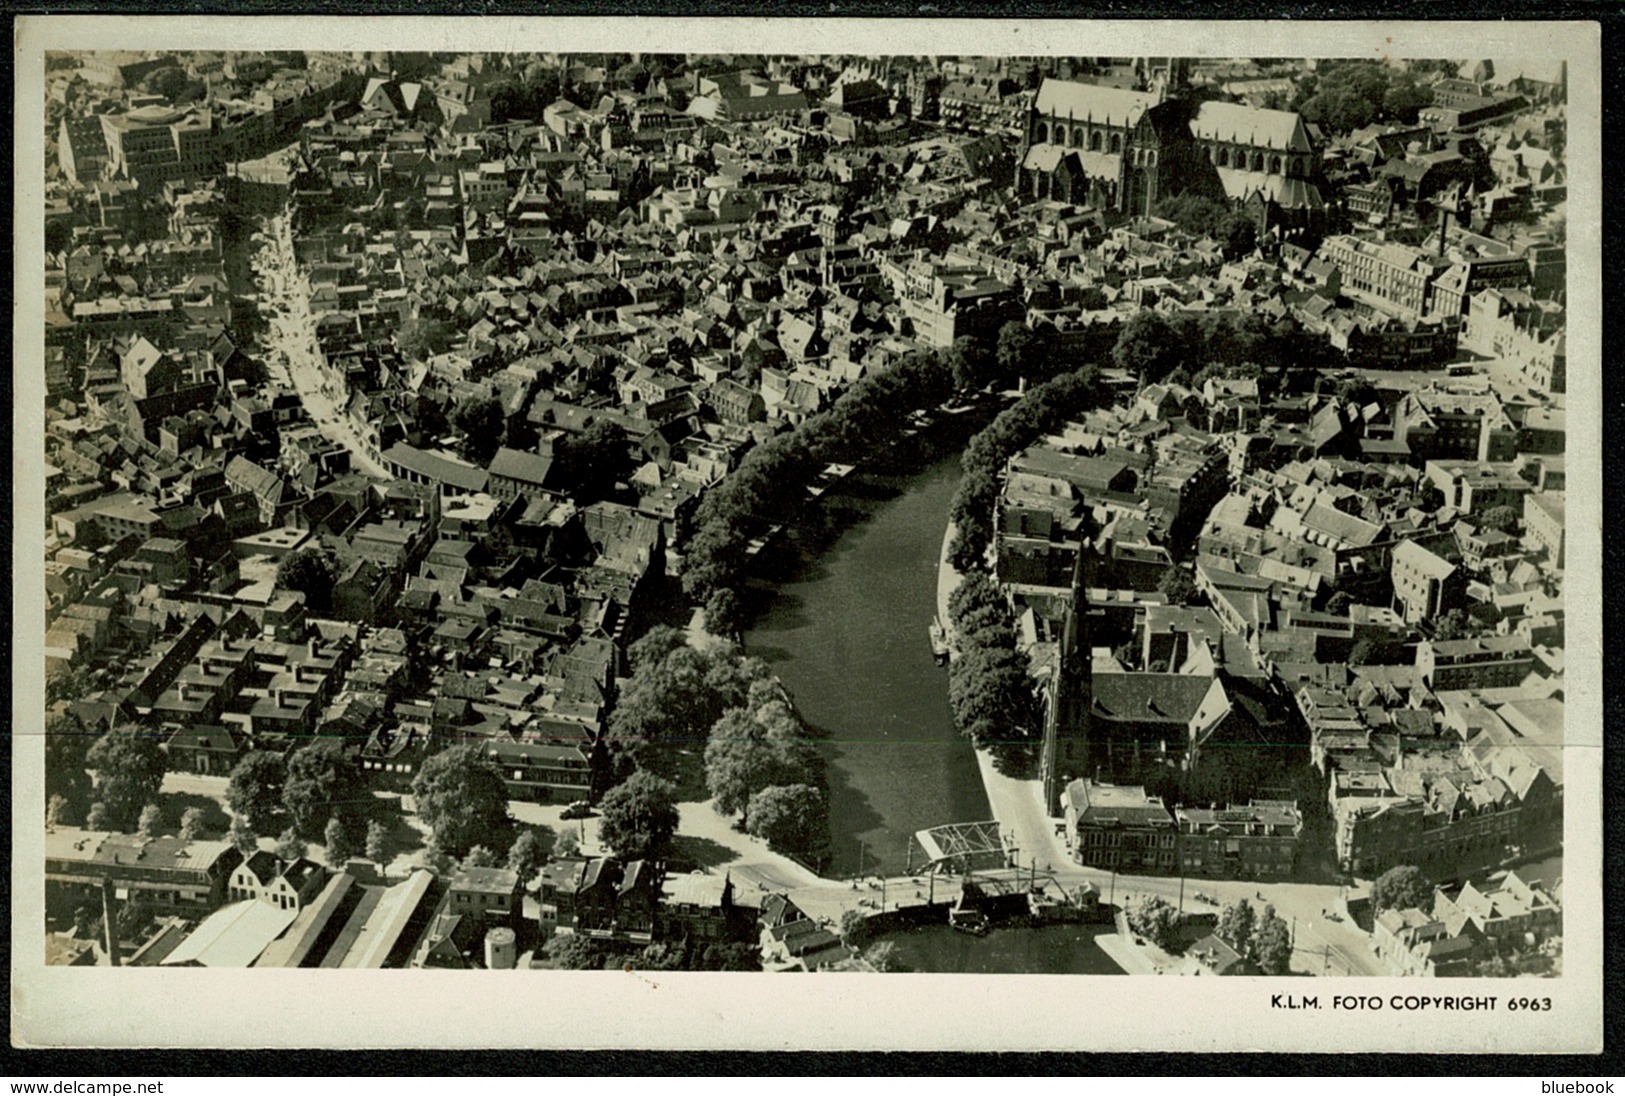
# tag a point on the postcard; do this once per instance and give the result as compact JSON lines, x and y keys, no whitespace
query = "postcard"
{"x":528,"y":531}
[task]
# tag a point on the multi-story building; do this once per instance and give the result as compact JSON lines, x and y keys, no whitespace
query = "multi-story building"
{"x":1484,"y":662}
{"x":1121,"y":828}
{"x":167,"y":874}
{"x":1543,"y":522}
{"x":1474,"y":486}
{"x":1258,"y":841}
{"x":155,"y":144}
{"x":1425,"y":586}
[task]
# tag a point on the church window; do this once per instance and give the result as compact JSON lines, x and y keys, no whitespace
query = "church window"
{"x":1117,"y":142}
{"x":1275,"y":165}
{"x":1151,"y":157}
{"x":1041,"y":134}
{"x":1094,"y":141}
{"x":1224,"y":157}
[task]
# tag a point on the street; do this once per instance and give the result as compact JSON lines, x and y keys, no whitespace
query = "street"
{"x":293,"y":330}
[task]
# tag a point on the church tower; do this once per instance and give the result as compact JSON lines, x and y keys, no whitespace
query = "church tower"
{"x":1064,"y":754}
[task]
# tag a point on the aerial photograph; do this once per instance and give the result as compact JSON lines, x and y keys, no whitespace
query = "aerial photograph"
{"x":661,"y":512}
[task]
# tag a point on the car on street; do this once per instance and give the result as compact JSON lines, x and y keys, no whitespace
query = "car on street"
{"x":579,"y":809}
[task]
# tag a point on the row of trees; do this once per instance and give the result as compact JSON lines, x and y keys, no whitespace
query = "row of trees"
{"x":769,"y":486}
{"x":989,"y":687}
{"x":1043,"y":409}
{"x":578,"y":952}
{"x":316,"y":790}
{"x":1155,"y":346}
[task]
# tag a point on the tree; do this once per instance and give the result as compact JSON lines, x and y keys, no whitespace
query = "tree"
{"x":482,"y":424}
{"x":1376,"y":652}
{"x":191,"y":824}
{"x":322,"y":782}
{"x":1177,"y":585}
{"x":69,"y":683}
{"x":725,"y":613}
{"x":574,"y":952}
{"x":422,"y":337}
{"x":480,"y":857}
{"x":56,"y":812}
{"x":1237,"y":922}
{"x":242,"y":836}
{"x":1503,"y":519}
{"x":98,"y":817}
{"x":1455,"y":624}
{"x":340,"y":842}
{"x":461,"y":797}
{"x":308,"y":572}
{"x":66,"y":745}
{"x":1339,"y":603}
{"x":566,"y":845}
{"x":1272,"y":943}
{"x":1152,"y":917}
{"x":792,"y":818}
{"x":378,"y":843}
{"x":1402,"y":888}
{"x":169,"y":81}
{"x":133,"y":920}
{"x":741,"y":759}
{"x":651,"y":649}
{"x":527,"y":857}
{"x":290,"y":846}
{"x":1017,"y":352}
{"x":639,"y":817}
{"x":129,"y":771}
{"x":254,"y":791}
{"x":594,"y":461}
{"x":854,"y":928}
{"x":971,"y":364}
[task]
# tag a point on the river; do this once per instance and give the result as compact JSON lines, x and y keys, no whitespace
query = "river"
{"x":841,"y":606}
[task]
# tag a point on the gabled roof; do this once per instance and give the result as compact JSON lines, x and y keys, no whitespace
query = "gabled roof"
{"x":1242,"y":124}
{"x":1092,"y":102}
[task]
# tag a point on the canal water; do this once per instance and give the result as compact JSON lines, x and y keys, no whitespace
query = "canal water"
{"x":842,"y":603}
{"x":841,"y":608}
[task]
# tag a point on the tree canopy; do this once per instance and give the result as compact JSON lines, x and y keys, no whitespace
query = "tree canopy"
{"x":461,"y":797}
{"x":254,"y":791}
{"x":1236,"y":924}
{"x":639,"y":817}
{"x":321,"y":782}
{"x":1400,"y":888}
{"x":66,"y":745}
{"x":1272,"y":943}
{"x":790,"y":817}
{"x":308,"y":572}
{"x":483,"y":427}
{"x":741,"y":759}
{"x":129,"y":772}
